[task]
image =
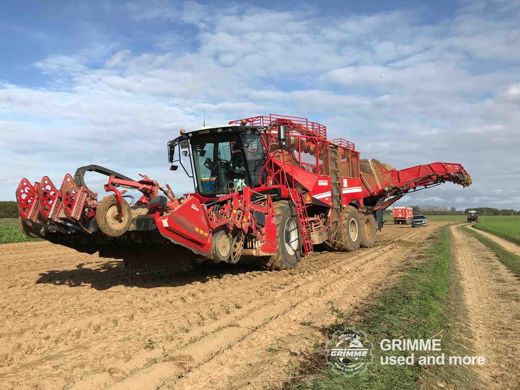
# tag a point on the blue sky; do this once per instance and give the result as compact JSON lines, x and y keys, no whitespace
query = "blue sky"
{"x":409,"y":82}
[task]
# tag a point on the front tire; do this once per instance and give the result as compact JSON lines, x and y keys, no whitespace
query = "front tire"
{"x":108,"y":218}
{"x":287,"y":236}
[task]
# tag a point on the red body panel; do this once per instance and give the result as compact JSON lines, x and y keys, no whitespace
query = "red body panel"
{"x":321,"y":190}
{"x":352,"y":191}
{"x":187,"y":225}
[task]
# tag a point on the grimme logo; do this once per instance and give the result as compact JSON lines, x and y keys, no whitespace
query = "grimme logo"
{"x":349,"y":352}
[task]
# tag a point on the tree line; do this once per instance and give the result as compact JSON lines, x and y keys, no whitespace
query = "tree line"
{"x":8,"y":209}
{"x":434,"y":210}
{"x":492,"y":211}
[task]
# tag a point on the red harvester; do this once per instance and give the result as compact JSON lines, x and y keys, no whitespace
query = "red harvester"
{"x":271,"y":187}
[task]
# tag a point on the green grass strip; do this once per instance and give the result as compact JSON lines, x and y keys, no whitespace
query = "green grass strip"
{"x":510,"y":260}
{"x":10,"y":231}
{"x":502,"y":231}
{"x":417,"y":307}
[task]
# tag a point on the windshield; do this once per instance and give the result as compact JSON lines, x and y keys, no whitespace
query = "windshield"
{"x":418,"y":217}
{"x":227,"y":162}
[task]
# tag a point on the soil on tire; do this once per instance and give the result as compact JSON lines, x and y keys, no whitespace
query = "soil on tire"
{"x":108,"y":218}
{"x":284,"y":213}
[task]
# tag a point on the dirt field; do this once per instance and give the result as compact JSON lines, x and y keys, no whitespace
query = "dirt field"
{"x":85,"y":322}
{"x":492,"y":296}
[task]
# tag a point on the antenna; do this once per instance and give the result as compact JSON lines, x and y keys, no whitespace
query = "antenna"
{"x":204,"y":120}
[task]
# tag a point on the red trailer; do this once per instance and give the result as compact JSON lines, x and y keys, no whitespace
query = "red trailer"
{"x":402,"y":215}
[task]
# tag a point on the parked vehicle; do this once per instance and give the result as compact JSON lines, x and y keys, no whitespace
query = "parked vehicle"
{"x":419,"y":220}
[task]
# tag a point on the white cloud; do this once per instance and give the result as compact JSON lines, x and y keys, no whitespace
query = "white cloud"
{"x":405,"y":92}
{"x":59,"y":64}
{"x":118,"y":58}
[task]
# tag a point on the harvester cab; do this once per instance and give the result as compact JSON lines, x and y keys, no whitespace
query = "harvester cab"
{"x":270,"y":187}
{"x":222,"y":160}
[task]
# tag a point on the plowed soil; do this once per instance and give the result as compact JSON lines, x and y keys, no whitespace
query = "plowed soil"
{"x":80,"y":321}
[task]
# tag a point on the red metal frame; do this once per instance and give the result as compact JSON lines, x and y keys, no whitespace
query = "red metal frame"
{"x":344,"y":143}
{"x":148,"y":187}
{"x":74,"y":198}
{"x":49,"y":198}
{"x":391,"y":182}
{"x":28,"y":202}
{"x":302,"y":124}
{"x":285,"y":167}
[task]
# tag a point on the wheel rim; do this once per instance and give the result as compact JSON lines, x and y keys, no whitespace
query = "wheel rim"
{"x":114,"y":219}
{"x":353,"y":229}
{"x":222,"y":244}
{"x":291,"y":236}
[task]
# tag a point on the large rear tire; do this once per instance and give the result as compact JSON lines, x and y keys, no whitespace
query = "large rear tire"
{"x":108,"y":218}
{"x":351,"y":229}
{"x":287,"y":237}
{"x":369,"y":231}
{"x":346,"y":236}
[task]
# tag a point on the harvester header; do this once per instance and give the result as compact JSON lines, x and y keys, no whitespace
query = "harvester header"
{"x":270,"y":187}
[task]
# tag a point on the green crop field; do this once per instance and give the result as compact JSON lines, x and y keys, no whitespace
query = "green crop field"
{"x":451,"y":218}
{"x":10,"y":231}
{"x":507,"y":227}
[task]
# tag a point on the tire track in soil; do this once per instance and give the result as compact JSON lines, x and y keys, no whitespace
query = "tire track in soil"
{"x":223,"y":341}
{"x":156,"y":328}
{"x":507,"y":245}
{"x":492,"y":296}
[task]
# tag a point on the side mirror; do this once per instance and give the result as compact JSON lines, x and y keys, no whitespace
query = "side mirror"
{"x":173,"y":167}
{"x":185,"y":153}
{"x":171,"y":151}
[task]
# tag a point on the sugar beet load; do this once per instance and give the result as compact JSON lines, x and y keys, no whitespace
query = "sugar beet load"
{"x":269,"y":187}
